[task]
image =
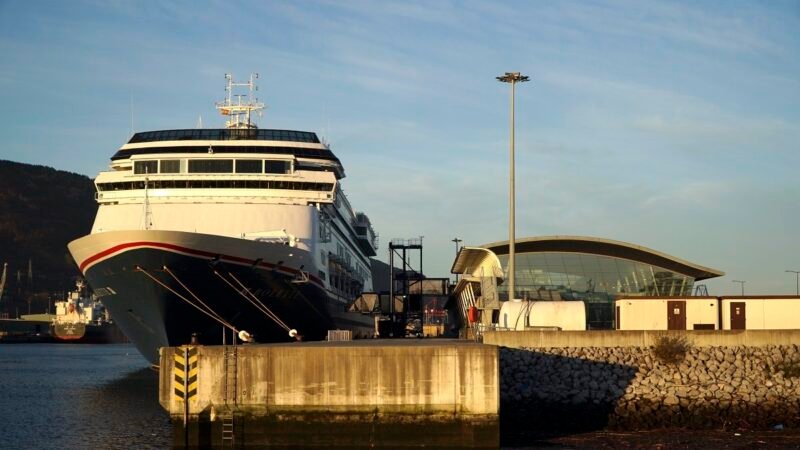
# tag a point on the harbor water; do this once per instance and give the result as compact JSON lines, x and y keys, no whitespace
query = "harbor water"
{"x":66,"y":396}
{"x":75,"y":396}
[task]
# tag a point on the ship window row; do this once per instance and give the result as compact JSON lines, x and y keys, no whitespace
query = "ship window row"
{"x":216,"y":184}
{"x":212,"y":166}
{"x":318,"y":153}
{"x":224,"y":135}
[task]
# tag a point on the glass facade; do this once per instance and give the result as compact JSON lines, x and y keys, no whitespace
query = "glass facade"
{"x":595,"y":279}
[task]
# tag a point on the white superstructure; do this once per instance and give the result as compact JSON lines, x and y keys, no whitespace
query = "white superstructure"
{"x":242,"y":182}
{"x":204,"y":232}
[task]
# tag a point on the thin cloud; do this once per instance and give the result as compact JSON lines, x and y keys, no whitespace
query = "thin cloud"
{"x":719,"y":128}
{"x":690,"y":194}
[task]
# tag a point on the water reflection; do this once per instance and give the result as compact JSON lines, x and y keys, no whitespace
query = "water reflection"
{"x":79,"y":396}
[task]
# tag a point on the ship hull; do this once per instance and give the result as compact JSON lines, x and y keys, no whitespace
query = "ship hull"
{"x":155,"y":283}
{"x":68,"y":331}
{"x":103,"y":333}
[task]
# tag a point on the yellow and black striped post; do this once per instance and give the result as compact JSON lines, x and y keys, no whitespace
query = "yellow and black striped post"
{"x":185,"y":377}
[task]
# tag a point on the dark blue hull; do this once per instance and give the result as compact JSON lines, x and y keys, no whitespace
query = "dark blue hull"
{"x":153,"y":317}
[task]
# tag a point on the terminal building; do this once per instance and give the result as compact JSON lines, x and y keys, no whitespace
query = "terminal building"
{"x":593,"y":270}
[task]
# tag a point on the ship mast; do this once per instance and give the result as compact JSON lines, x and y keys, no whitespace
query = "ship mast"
{"x":148,"y":214}
{"x":239,"y":111}
{"x":3,"y":280}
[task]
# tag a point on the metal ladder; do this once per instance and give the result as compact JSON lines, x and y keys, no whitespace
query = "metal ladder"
{"x":228,"y":435}
{"x":230,"y":362}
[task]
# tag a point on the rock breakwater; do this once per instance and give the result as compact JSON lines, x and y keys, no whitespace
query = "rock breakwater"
{"x":629,"y":388}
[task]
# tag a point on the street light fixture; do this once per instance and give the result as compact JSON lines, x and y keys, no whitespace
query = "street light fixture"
{"x":457,"y":240}
{"x":741,"y":283}
{"x":513,"y":78}
{"x":797,"y":276}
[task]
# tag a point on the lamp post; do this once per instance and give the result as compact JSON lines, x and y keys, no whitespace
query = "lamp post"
{"x":797,"y":276}
{"x":741,"y":283}
{"x":513,"y":78}
{"x":457,"y":240}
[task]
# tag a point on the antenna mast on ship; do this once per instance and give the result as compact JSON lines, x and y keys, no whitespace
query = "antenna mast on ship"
{"x":3,"y":280}
{"x":239,"y":111}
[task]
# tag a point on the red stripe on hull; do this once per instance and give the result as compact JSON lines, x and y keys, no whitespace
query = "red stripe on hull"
{"x":199,"y":253}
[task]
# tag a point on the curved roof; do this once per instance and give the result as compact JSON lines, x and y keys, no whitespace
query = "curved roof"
{"x":476,"y":261}
{"x":605,"y":247}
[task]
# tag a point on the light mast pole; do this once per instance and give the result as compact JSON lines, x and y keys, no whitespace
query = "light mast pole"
{"x":741,"y":283}
{"x":457,"y":241}
{"x":796,"y":274}
{"x":513,"y":78}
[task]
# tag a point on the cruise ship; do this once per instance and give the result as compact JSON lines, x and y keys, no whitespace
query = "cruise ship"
{"x":219,"y":234}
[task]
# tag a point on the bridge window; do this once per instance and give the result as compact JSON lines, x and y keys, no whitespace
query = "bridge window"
{"x":210,"y":166}
{"x":170,"y":166}
{"x":249,"y":166}
{"x":277,"y":166}
{"x":145,"y":167}
{"x":217,"y":184}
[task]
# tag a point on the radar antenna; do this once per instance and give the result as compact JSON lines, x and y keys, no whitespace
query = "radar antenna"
{"x":239,"y":111}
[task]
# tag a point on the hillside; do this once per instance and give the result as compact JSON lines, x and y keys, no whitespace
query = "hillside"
{"x":41,"y":210}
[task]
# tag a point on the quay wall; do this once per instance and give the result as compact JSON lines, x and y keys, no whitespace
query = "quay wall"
{"x":638,"y":338}
{"x":344,"y":393}
{"x":581,"y":388}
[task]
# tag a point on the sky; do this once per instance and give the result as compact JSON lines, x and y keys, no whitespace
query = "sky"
{"x":670,"y":125}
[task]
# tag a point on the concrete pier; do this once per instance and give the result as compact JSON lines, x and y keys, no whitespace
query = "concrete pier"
{"x":398,"y":393}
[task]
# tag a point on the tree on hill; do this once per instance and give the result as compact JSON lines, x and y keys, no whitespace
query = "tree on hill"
{"x":41,"y":210}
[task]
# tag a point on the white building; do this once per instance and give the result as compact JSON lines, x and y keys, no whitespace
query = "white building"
{"x":667,"y":313}
{"x":760,"y":313}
